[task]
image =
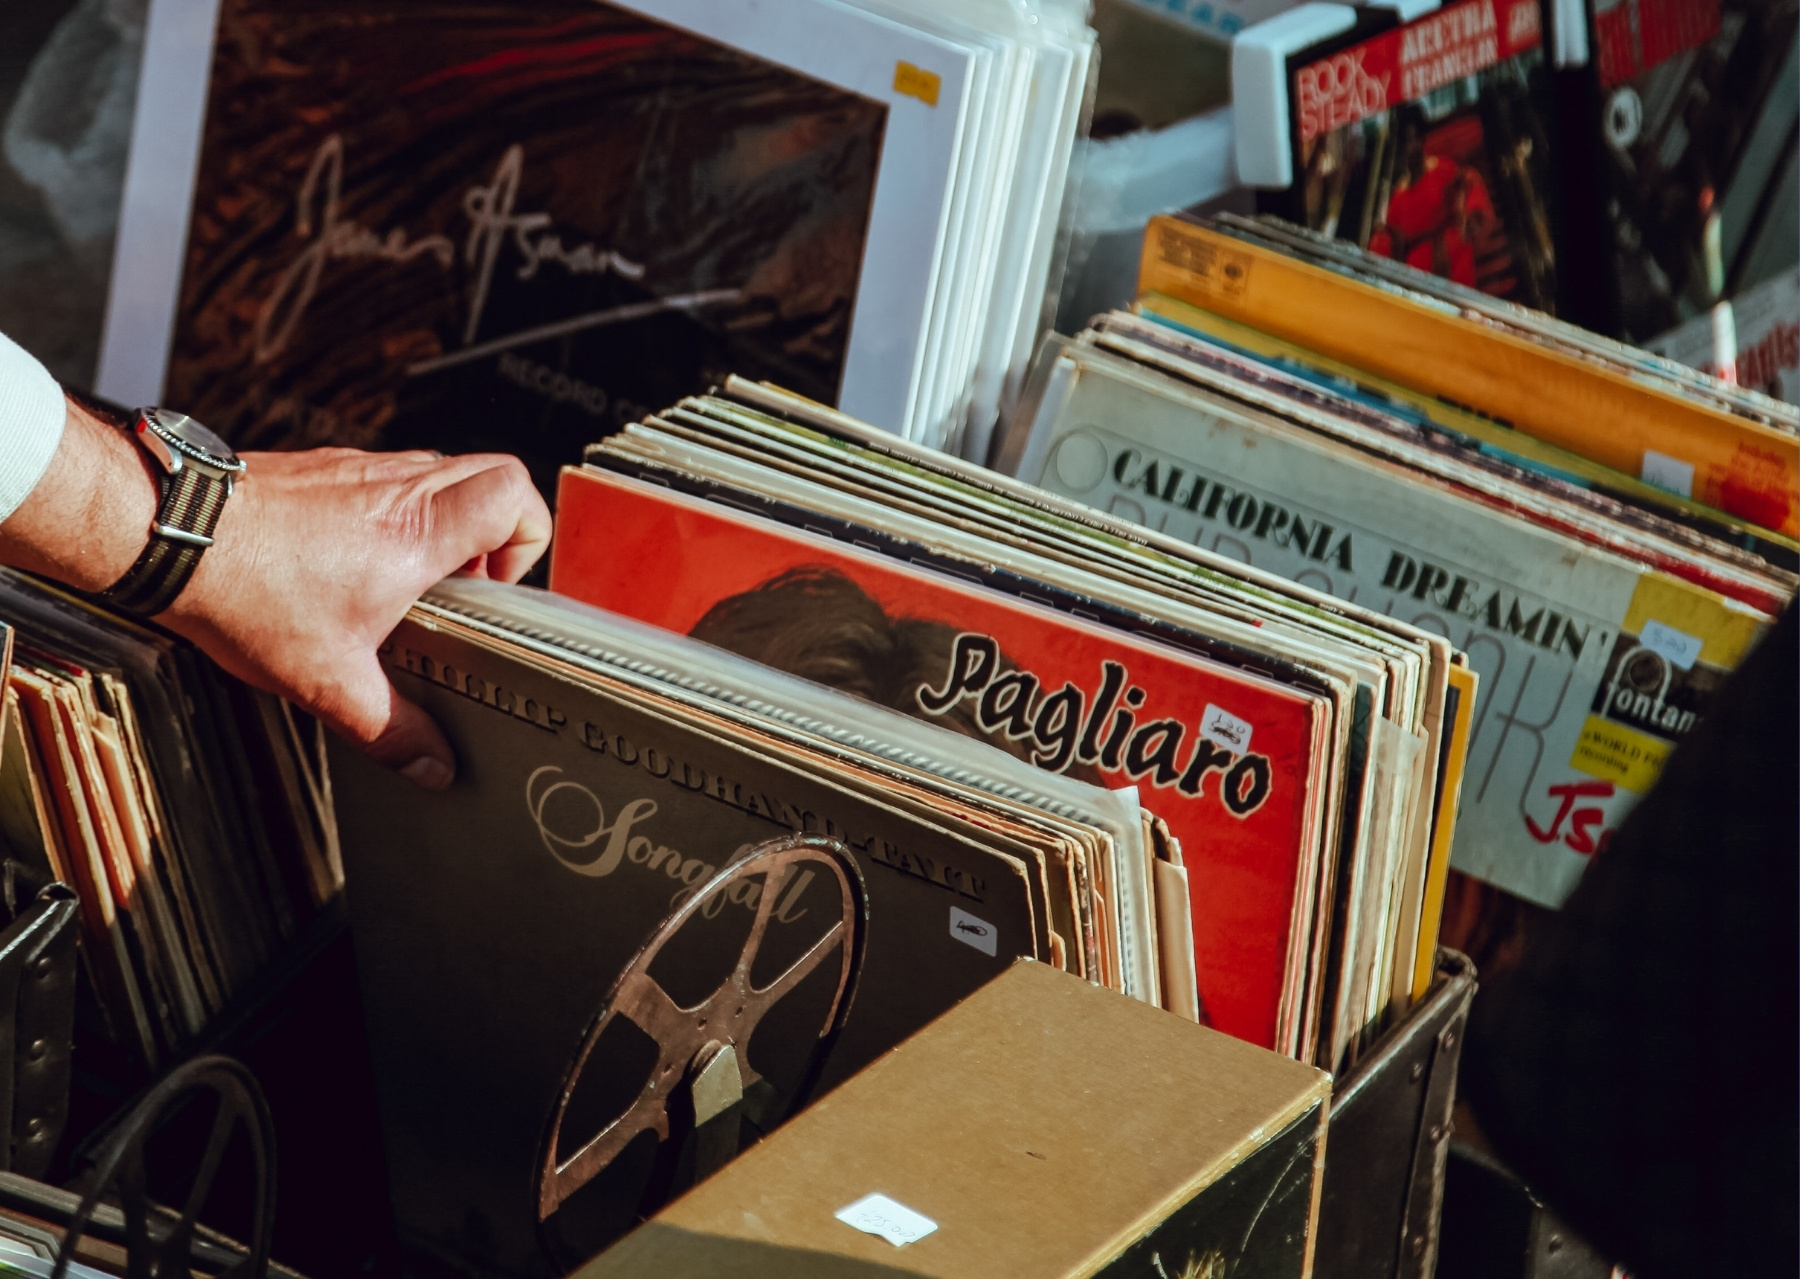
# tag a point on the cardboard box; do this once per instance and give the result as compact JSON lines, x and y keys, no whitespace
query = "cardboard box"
{"x":1044,"y":1127}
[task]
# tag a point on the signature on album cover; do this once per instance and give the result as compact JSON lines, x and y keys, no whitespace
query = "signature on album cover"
{"x":493,"y":221}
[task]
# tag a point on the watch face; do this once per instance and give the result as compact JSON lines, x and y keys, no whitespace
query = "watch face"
{"x":191,"y":438}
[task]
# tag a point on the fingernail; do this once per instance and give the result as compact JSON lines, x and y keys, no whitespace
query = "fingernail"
{"x":429,"y":772}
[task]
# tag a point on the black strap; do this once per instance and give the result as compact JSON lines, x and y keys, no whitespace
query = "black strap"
{"x":191,"y":504}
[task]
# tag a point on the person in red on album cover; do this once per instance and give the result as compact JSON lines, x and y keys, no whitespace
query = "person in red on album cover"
{"x":1437,"y":210}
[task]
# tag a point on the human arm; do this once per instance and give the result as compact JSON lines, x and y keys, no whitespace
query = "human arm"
{"x":316,"y":558}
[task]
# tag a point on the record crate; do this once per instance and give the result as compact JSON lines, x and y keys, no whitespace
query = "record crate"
{"x":1388,"y":1140}
{"x":1384,"y":1182}
{"x":1382,"y":1190}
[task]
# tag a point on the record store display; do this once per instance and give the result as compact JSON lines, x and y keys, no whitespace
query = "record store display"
{"x":622,"y":786}
{"x":421,"y":240}
{"x":1600,"y":615}
{"x":974,"y":786}
{"x":1302,"y":754}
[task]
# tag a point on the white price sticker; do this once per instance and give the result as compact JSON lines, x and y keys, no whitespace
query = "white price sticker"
{"x":972,"y":931}
{"x":894,"y":1222}
{"x":1222,"y":728}
{"x":1670,"y":474}
{"x":1680,"y":648}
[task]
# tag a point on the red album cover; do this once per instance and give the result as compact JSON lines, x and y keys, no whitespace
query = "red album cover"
{"x":1225,"y":757}
{"x":1429,"y":144}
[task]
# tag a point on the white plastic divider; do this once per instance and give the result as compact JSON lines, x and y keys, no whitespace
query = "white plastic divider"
{"x":1259,"y":87}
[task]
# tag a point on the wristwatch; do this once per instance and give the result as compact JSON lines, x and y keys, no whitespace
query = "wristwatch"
{"x":196,"y":470}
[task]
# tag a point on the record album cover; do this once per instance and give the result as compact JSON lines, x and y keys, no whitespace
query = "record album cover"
{"x":491,"y":922}
{"x":1430,"y":144}
{"x":1229,"y":759}
{"x":486,"y":224}
{"x":1595,"y":656}
{"x":1694,"y":117}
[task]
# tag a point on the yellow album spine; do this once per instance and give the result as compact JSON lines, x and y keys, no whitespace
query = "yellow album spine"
{"x":1520,"y":449}
{"x":1730,"y":463}
{"x":1437,"y":865}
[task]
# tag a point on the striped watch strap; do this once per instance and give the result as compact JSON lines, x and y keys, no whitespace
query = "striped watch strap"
{"x":183,"y":529}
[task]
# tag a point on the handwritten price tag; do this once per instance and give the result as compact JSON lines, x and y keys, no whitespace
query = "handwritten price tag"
{"x":1222,"y":728}
{"x":894,"y":1222}
{"x":1679,"y":647}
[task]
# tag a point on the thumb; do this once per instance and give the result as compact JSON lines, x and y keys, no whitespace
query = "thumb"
{"x":392,"y":731}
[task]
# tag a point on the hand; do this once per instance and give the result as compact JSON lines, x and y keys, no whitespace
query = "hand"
{"x":317,"y":557}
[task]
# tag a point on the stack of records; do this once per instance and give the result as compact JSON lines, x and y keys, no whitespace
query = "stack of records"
{"x":1579,"y":555}
{"x":188,"y":812}
{"x":404,"y":229}
{"x":1302,"y":756}
{"x":535,"y":943}
{"x":1720,"y":455}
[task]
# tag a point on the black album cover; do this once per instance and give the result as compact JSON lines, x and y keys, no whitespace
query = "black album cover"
{"x":499,"y":225}
{"x":492,"y":921}
{"x":1693,"y":138}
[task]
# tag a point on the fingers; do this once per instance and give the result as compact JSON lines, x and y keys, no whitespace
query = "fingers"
{"x":494,"y":512}
{"x":369,"y":712}
{"x":414,"y":746}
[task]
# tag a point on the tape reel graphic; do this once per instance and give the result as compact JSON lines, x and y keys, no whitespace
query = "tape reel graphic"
{"x":701,"y":1069}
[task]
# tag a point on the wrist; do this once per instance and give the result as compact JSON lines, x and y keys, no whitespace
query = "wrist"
{"x":196,"y":472}
{"x":89,"y":516}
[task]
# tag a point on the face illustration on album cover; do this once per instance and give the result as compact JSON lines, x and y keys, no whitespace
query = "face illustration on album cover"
{"x":471,"y":225}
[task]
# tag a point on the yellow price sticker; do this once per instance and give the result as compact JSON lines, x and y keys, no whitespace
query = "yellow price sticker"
{"x":917,"y":82}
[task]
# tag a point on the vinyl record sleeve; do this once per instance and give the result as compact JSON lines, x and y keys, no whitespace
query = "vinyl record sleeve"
{"x":1005,"y":514}
{"x":405,"y":224}
{"x":1584,"y":685}
{"x":1053,"y":515}
{"x":1692,"y":114}
{"x":1084,"y":830}
{"x":674,"y":561}
{"x":1639,"y":425}
{"x":1474,"y":431}
{"x":1545,"y":501}
{"x":996,"y":537}
{"x":236,"y":930}
{"x":1078,"y":593}
{"x":1432,"y":143}
{"x":488,"y":932}
{"x":1537,"y":326}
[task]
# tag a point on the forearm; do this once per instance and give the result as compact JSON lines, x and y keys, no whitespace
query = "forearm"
{"x":89,"y":516}
{"x":315,"y":558}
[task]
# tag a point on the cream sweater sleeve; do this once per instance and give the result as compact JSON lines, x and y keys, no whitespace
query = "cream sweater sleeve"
{"x":31,"y":423}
